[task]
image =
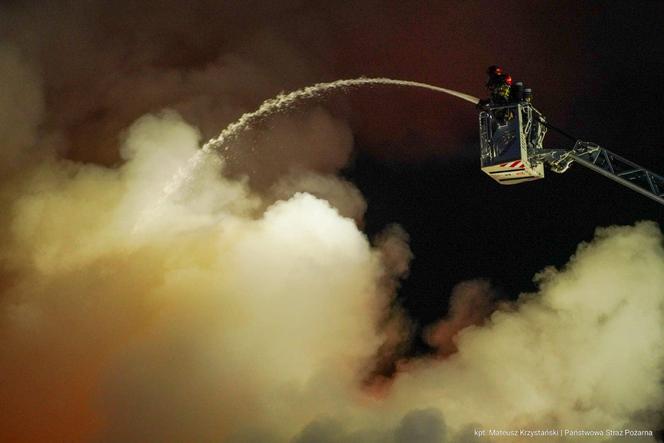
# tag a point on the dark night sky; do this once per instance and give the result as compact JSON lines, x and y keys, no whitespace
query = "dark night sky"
{"x":596,"y":71}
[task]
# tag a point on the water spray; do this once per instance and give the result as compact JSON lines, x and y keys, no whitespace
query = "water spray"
{"x":271,"y":106}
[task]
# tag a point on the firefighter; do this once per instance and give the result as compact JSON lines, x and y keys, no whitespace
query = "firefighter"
{"x":499,"y":84}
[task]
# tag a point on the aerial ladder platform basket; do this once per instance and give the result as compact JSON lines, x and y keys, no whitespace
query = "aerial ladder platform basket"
{"x":512,"y":152}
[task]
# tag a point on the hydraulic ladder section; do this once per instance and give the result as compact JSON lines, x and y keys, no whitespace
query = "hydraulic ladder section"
{"x":620,"y":170}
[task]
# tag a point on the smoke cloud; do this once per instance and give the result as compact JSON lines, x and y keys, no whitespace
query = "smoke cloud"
{"x":470,"y":303}
{"x":585,"y":351}
{"x":221,"y":321}
{"x":256,"y":309}
{"x":22,"y":103}
{"x":188,"y":321}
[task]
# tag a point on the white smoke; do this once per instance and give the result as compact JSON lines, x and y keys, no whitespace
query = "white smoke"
{"x":216,"y":309}
{"x":223,"y":322}
{"x":253,"y":308}
{"x":584,"y":352}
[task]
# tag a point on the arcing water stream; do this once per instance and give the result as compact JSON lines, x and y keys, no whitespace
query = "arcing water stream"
{"x":284,"y":101}
{"x":279,"y":103}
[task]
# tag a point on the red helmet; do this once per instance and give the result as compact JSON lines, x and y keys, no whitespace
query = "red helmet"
{"x":494,"y":70}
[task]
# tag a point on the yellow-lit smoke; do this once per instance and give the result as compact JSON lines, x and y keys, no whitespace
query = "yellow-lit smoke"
{"x":253,"y":309}
{"x":225,"y":322}
{"x":215,"y":318}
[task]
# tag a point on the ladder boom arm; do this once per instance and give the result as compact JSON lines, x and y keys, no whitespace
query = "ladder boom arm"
{"x":620,"y":170}
{"x":607,"y":163}
{"x":512,"y":151}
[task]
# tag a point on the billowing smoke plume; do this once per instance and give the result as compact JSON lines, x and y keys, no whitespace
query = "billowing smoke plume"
{"x":210,"y":320}
{"x":22,"y":103}
{"x":584,"y":352}
{"x":255,"y":309}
